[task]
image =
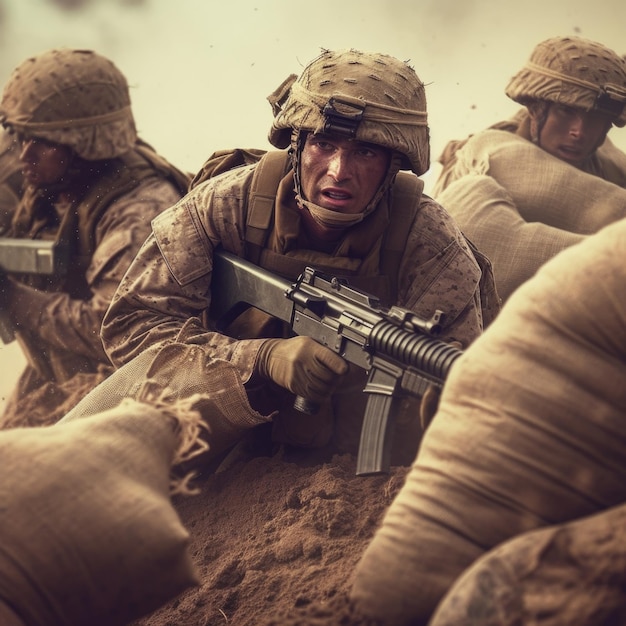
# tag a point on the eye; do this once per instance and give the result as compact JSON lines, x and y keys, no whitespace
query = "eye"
{"x":323,"y":144}
{"x":566,"y":111}
{"x":367,"y":152}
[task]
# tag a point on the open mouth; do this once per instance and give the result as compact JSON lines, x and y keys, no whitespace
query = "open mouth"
{"x":335,"y":199}
{"x":336,"y":195}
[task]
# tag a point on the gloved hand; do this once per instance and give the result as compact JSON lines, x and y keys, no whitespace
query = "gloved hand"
{"x":301,"y":365}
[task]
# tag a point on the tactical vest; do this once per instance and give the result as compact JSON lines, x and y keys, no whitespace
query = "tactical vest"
{"x":77,"y":231}
{"x":271,"y":167}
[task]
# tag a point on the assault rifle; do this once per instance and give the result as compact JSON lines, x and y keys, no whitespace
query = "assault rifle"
{"x":395,"y":346}
{"x":28,"y":256}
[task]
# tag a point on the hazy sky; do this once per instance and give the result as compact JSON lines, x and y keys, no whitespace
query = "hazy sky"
{"x":200,"y":70}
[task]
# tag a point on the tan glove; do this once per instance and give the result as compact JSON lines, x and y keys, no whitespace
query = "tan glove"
{"x":301,"y":365}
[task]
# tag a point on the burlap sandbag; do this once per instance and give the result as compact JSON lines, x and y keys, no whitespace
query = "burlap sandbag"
{"x":489,"y":217}
{"x":544,"y":188}
{"x":573,"y":574}
{"x":530,"y":432}
{"x":177,"y":372}
{"x":89,"y":535}
{"x":520,"y":205}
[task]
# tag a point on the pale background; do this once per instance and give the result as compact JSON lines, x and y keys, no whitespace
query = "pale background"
{"x":200,"y":70}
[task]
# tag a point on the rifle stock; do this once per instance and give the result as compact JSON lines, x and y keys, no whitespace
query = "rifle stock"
{"x":396,"y":347}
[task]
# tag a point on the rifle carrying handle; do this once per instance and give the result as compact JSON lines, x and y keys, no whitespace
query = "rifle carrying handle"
{"x":305,"y":406}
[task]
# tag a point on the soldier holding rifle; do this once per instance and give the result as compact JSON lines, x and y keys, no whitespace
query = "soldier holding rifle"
{"x":339,"y":203}
{"x":91,"y":189}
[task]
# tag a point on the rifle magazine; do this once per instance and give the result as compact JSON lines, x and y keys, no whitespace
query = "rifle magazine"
{"x":376,"y":436}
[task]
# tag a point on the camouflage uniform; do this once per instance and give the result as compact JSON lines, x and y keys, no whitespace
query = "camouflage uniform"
{"x":116,"y":185}
{"x":166,"y":292}
{"x":573,"y":72}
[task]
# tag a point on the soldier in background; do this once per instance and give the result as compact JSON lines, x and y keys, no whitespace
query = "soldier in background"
{"x":528,"y":187}
{"x":92,"y":186}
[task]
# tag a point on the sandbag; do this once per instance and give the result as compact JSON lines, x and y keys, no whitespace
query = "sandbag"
{"x":572,"y":574}
{"x":543,"y":188}
{"x":488,"y":216}
{"x":520,"y":205}
{"x":530,"y":432}
{"x":179,"y":372}
{"x":89,"y":535}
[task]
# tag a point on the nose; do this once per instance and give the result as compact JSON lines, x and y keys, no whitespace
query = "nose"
{"x":27,"y":144}
{"x":339,"y":165}
{"x":577,"y":126}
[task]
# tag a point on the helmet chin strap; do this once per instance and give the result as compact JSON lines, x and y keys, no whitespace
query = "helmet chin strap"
{"x":539,"y":115}
{"x":327,"y":218}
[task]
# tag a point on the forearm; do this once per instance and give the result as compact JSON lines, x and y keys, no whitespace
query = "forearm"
{"x":138,"y":319}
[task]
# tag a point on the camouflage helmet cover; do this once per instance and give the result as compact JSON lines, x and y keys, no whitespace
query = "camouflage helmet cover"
{"x":373,"y":97}
{"x":72,"y":97}
{"x":574,"y":72}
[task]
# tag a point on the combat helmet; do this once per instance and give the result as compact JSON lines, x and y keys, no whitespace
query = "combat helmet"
{"x":574,"y":72}
{"x":373,"y":98}
{"x":73,"y":97}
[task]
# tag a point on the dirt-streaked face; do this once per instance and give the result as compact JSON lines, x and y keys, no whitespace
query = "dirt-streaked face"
{"x":341,"y":174}
{"x":43,"y":162}
{"x":571,"y":134}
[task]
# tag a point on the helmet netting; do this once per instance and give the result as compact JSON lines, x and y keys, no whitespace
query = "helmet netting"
{"x":574,"y":72}
{"x":388,"y":92}
{"x":72,"y":97}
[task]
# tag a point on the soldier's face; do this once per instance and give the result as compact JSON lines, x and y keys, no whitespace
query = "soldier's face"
{"x":341,"y":174}
{"x":43,"y":162}
{"x":571,"y":134}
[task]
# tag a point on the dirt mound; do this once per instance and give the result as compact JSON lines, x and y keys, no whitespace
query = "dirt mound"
{"x":276,"y":543}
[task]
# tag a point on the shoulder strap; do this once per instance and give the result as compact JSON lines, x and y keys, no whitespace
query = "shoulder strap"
{"x":224,"y":160}
{"x":264,"y":186}
{"x":405,"y":201}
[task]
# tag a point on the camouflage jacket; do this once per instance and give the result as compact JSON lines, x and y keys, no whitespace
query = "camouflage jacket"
{"x":167,"y":288}
{"x":165,"y":294}
{"x":58,"y":318}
